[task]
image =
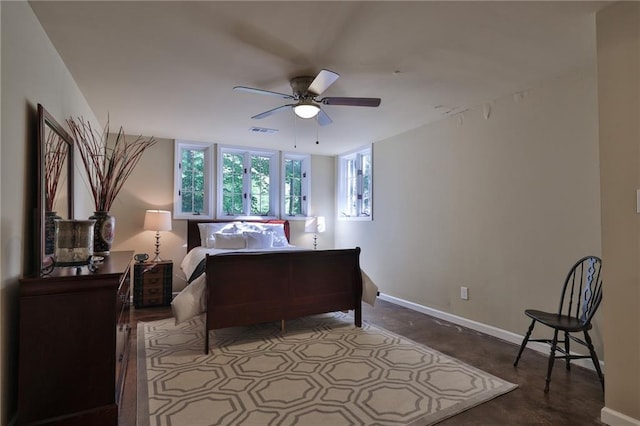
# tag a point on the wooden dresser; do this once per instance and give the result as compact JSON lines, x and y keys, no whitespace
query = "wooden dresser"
{"x":73,"y":344}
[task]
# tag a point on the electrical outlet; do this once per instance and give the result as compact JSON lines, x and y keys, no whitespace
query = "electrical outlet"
{"x":464,"y":293}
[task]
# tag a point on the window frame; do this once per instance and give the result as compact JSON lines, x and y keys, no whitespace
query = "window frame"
{"x":207,"y":147}
{"x":306,"y":185}
{"x":342,"y":190}
{"x":274,"y":188}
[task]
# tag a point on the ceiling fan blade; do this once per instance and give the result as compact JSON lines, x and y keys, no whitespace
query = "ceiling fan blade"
{"x":272,"y":111}
{"x":365,"y":102}
{"x":323,"y":118}
{"x":323,"y":80}
{"x":262,"y":92}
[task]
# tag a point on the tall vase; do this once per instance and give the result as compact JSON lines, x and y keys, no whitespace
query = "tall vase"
{"x":103,"y":233}
{"x":49,"y":231}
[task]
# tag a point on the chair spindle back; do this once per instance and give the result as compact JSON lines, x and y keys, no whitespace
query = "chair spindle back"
{"x":582,"y":290}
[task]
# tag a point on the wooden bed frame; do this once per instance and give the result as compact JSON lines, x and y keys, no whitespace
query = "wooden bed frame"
{"x":249,"y":288}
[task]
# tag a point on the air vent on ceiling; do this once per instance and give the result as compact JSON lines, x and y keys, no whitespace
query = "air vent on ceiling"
{"x":263,"y":130}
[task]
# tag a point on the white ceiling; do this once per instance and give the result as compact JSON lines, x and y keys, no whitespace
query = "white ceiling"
{"x":167,"y":68}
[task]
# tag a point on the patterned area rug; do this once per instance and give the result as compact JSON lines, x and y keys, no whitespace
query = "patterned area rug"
{"x":321,"y":371}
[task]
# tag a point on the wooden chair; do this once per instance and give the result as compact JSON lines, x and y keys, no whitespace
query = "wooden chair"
{"x":579,"y":301}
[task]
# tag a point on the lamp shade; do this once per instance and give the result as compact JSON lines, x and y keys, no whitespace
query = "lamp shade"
{"x":315,"y":224}
{"x":157,"y":220}
{"x":306,"y":109}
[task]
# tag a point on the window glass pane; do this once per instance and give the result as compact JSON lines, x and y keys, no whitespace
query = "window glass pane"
{"x":192,"y":181}
{"x":232,"y":185}
{"x":366,"y":185}
{"x":352,"y":187}
{"x":293,"y":187}
{"x":355,"y":189}
{"x":260,"y":201}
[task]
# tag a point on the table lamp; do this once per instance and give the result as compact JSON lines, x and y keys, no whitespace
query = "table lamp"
{"x":316,"y":225}
{"x":157,"y":220}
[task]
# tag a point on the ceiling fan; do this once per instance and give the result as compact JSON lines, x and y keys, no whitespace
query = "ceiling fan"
{"x":305,"y":94}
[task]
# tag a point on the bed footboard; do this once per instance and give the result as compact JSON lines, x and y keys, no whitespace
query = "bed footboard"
{"x":250,"y":288}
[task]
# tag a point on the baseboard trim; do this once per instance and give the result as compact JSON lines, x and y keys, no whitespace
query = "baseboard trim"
{"x":614,"y":418}
{"x":490,"y":330}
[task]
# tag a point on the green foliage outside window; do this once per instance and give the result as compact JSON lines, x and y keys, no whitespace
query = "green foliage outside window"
{"x":232,"y":185}
{"x":192,"y":183}
{"x":293,"y":187}
{"x":247,"y":182}
{"x":260,"y":197}
{"x":233,"y":174}
{"x":366,"y":185}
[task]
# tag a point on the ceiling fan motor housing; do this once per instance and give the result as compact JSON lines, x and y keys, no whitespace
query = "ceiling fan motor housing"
{"x":300,"y":86}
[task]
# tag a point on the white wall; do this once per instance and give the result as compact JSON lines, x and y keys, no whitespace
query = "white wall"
{"x":503,"y":205}
{"x":618,"y":34}
{"x":32,"y":73}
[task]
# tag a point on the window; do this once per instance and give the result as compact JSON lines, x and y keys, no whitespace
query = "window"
{"x":248,"y":183}
{"x":355,"y":184}
{"x":296,"y":183}
{"x":193,"y":186}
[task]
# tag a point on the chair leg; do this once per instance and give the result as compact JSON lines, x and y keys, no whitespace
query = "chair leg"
{"x":594,"y":358}
{"x":566,"y":348}
{"x":524,"y":342}
{"x":552,"y":358}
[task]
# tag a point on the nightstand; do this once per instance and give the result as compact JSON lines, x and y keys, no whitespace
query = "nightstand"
{"x":152,"y":283}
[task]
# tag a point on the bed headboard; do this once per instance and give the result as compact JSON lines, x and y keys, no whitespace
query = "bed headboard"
{"x":193,"y":232}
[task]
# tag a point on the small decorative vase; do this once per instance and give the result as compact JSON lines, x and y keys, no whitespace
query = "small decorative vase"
{"x":103,"y":233}
{"x":49,"y":231}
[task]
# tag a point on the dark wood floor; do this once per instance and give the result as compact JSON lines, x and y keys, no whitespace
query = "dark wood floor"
{"x":575,"y":398}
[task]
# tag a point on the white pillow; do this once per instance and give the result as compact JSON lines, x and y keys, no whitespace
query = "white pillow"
{"x":190,"y":302}
{"x":202,"y":227}
{"x":251,"y":227}
{"x":231,"y":228}
{"x":279,"y":237}
{"x":258,"y":240}
{"x":229,"y":241}
{"x":208,"y":231}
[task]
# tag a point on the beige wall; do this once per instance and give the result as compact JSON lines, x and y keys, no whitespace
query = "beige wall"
{"x":322,"y":203}
{"x":3,"y":334}
{"x":502,"y":205}
{"x":150,"y":186}
{"x":32,"y":73}
{"x":618,"y":35}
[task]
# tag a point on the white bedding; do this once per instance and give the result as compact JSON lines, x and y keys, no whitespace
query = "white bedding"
{"x":190,"y":302}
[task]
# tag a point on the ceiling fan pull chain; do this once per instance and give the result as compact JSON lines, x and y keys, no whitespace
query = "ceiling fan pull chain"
{"x":295,"y":132}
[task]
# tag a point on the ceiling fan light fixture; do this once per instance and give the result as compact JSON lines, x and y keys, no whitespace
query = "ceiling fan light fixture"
{"x":306,"y":109}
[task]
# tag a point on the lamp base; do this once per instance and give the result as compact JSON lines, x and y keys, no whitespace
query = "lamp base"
{"x":157,"y":252}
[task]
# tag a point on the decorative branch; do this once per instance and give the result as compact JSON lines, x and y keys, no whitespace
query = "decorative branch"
{"x":55,"y":155}
{"x":107,"y":165}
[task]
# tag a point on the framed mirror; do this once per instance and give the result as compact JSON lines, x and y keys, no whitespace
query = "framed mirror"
{"x":54,"y":184}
